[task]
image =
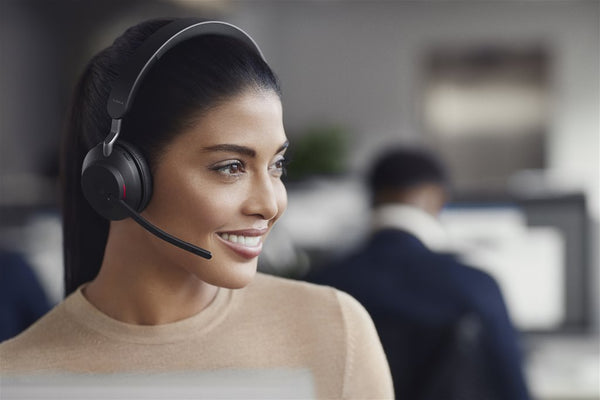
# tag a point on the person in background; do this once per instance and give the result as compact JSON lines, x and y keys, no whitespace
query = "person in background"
{"x":22,"y":298}
{"x":444,"y":325}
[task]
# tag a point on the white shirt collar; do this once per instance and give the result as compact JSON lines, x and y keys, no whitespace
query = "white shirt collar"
{"x":414,"y":221}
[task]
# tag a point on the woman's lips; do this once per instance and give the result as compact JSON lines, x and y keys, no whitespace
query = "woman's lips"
{"x":246,"y":243}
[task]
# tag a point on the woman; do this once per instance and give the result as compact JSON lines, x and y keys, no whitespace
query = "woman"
{"x":207,"y":118}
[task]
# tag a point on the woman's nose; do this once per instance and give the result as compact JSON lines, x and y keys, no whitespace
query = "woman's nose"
{"x":262,"y":197}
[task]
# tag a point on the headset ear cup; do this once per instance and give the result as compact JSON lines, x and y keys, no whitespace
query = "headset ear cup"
{"x":103,"y":184}
{"x":145,"y":176}
{"x":123,"y":175}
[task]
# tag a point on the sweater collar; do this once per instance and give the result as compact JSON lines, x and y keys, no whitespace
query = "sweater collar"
{"x":88,"y":315}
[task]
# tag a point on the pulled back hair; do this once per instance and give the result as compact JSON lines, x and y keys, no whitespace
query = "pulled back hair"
{"x":188,"y":80}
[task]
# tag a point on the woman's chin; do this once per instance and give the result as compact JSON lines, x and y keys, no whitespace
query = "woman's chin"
{"x":236,"y":277}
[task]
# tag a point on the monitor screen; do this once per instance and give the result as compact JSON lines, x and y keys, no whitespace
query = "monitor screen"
{"x":537,"y":251}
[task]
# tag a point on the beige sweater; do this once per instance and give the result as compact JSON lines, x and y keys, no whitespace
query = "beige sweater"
{"x":273,"y":324}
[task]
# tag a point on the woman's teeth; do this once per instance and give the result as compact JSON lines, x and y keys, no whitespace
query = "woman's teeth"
{"x":250,"y":241}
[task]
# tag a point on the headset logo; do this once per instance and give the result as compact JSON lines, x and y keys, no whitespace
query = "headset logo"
{"x":117,"y":101}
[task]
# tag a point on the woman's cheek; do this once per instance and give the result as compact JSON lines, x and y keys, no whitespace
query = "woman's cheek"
{"x":282,"y":200}
{"x":217,"y":205}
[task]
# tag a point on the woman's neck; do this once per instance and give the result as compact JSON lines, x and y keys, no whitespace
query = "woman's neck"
{"x":135,"y":286}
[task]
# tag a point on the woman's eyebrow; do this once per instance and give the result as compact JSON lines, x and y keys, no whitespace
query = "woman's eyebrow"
{"x":232,"y":148}
{"x":283,"y":147}
{"x":235,"y":148}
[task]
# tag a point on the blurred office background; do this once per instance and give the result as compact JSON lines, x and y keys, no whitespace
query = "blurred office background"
{"x":507,"y":92}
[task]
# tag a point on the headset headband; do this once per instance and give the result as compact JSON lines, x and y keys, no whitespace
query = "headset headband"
{"x":131,"y":75}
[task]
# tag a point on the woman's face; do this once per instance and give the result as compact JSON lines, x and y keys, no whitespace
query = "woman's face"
{"x":218,"y":185}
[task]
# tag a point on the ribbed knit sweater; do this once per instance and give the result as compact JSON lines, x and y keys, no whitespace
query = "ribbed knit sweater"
{"x":273,"y":324}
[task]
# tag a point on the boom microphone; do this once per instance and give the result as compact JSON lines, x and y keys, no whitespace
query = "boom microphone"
{"x":156,"y":231}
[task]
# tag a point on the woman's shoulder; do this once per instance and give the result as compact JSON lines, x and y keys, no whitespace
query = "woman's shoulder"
{"x":272,"y":285}
{"x":50,"y":333}
{"x":336,"y":321}
{"x":318,"y":299}
{"x":315,"y":309}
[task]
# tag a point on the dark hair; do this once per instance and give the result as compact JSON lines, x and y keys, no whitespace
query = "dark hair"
{"x":188,"y":80}
{"x":404,"y":168}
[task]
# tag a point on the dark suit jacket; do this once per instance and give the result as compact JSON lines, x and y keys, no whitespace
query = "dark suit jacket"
{"x":444,"y":325}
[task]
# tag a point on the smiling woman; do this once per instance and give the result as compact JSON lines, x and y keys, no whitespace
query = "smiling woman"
{"x":204,"y":134}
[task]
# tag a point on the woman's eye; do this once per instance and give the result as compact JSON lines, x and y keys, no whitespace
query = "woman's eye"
{"x":278,"y":167}
{"x":231,"y":169}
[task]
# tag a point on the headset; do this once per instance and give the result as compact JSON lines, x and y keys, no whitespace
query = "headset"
{"x":115,"y":177}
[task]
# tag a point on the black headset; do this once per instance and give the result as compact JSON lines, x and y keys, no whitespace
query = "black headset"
{"x":115,"y":177}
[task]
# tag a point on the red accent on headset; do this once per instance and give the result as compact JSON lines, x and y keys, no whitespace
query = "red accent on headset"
{"x":124,"y":192}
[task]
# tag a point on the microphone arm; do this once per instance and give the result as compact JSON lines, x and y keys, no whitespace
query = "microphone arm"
{"x":164,"y":235}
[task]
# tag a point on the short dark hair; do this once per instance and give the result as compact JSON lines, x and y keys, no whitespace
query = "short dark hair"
{"x":188,"y":80}
{"x":403,"y":168}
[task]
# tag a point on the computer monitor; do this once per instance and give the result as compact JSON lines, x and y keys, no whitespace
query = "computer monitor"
{"x":538,"y":251}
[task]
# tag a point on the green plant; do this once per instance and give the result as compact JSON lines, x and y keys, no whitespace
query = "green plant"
{"x":319,"y":150}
